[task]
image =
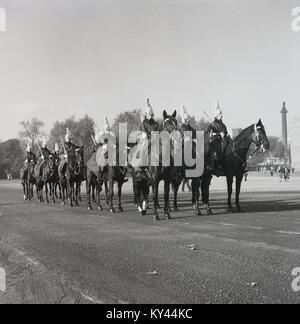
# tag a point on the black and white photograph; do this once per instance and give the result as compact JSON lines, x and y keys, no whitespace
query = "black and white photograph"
{"x":149,"y":154}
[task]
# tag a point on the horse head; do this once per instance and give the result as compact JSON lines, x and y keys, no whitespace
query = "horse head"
{"x":259,"y":136}
{"x":79,"y":159}
{"x":170,"y":123}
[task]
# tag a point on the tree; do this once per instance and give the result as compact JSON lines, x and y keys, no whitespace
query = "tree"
{"x":11,"y":158}
{"x":81,"y":133}
{"x":131,"y":118}
{"x":32,"y":131}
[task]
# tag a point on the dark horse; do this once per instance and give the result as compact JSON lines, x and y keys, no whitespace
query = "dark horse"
{"x":28,"y":180}
{"x":110,"y":175}
{"x":159,"y":173}
{"x":50,"y":176}
{"x":203,"y":181}
{"x":235,"y":157}
{"x":71,"y":176}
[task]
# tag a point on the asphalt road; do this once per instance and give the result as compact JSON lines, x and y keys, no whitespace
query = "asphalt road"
{"x":55,"y":254}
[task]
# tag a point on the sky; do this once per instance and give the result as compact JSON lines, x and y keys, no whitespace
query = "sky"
{"x":60,"y":58}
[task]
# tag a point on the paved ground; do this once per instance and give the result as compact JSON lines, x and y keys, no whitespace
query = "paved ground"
{"x":55,"y":254}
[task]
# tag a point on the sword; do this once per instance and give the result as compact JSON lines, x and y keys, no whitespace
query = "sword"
{"x":94,"y":140}
{"x":63,"y":144}
{"x":211,"y":121}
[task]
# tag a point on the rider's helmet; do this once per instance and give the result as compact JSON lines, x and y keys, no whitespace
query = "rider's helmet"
{"x":44,"y":144}
{"x":28,"y":148}
{"x":184,"y":116}
{"x":149,"y":113}
{"x":219,"y":112}
{"x":56,"y":148}
{"x":68,"y":136}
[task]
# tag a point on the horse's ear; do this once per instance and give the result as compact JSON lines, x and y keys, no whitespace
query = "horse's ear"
{"x":165,"y":115}
{"x":174,"y":114}
{"x":259,"y":122}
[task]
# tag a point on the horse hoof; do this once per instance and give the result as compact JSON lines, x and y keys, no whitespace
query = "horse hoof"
{"x":198,"y":213}
{"x":90,"y":208}
{"x":112,"y":210}
{"x":100,"y":208}
{"x":209,"y":212}
{"x":76,"y":204}
{"x":156,"y":218}
{"x":144,"y":212}
{"x":167,"y":216}
{"x":121,"y":210}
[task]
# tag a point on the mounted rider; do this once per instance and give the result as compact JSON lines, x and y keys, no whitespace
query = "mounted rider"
{"x":219,"y":140}
{"x":45,"y":152}
{"x":30,"y":156}
{"x":56,"y":152}
{"x":69,"y":149}
{"x":186,"y":126}
{"x":148,"y":125}
{"x":43,"y":156}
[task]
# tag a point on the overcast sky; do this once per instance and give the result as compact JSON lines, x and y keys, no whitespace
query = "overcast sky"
{"x":101,"y":57}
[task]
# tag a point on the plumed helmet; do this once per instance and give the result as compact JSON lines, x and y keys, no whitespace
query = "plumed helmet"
{"x":184,"y":115}
{"x":68,"y":135}
{"x":56,"y":147}
{"x":28,"y":148}
{"x":44,"y":143}
{"x":98,"y":138}
{"x":219,"y":112}
{"x":149,"y":113}
{"x":106,"y":128}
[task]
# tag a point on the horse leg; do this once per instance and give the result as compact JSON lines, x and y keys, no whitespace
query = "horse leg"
{"x":98,"y":191}
{"x":111,"y":196}
{"x":167,"y":199}
{"x":205,"y":184}
{"x":155,"y":186}
{"x":77,"y":189}
{"x":106,"y":192}
{"x":175,"y":187}
{"x":229,"y":191}
{"x":120,"y":184}
{"x":196,"y":196}
{"x":239,"y":179}
{"x":46,"y":192}
{"x":52,"y":186}
{"x":88,"y":190}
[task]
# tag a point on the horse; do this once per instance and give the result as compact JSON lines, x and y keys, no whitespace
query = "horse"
{"x":93,"y":181}
{"x":141,"y":190}
{"x":69,"y":176}
{"x":38,"y":179}
{"x":159,"y":173}
{"x":235,"y":157}
{"x":50,"y":175}
{"x":28,"y":180}
{"x":79,"y":173}
{"x":203,"y":181}
{"x":56,"y":183}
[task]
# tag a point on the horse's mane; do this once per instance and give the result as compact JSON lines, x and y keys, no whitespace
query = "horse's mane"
{"x":242,"y":135}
